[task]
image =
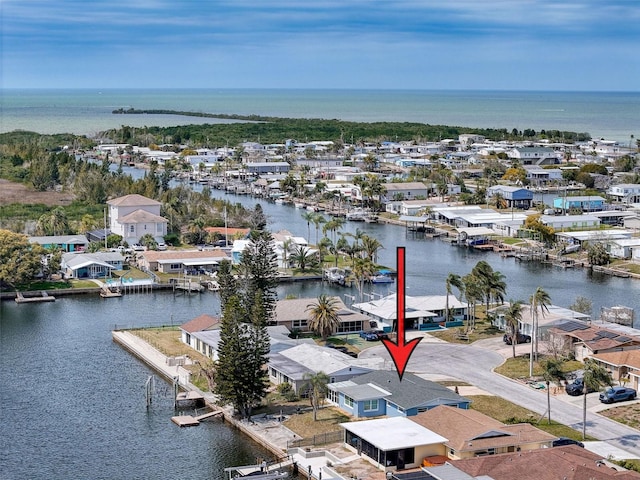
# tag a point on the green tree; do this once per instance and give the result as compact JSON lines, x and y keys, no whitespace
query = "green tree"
{"x":302,"y":257}
{"x":148,"y":241}
{"x":492,"y":283}
{"x":452,"y":280}
{"x":258,"y":272}
{"x":258,"y":220}
{"x":53,"y":223}
{"x":317,"y":388}
{"x":539,"y":305}
{"x":227,"y":281}
{"x":552,"y":372}
{"x":239,"y":371}
{"x":370,"y":248}
{"x":597,"y":254}
{"x":513,"y":317}
{"x":473,"y":294}
{"x":594,"y":377}
{"x":323,"y":316}
{"x":20,"y":260}
{"x":308,"y":217}
{"x":583,"y":305}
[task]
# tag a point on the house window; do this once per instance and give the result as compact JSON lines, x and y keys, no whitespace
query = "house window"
{"x":332,"y":396}
{"x":348,"y":402}
{"x":299,"y":323}
{"x":175,"y":266}
{"x":370,"y":405}
{"x":158,"y":227}
{"x":132,"y":229}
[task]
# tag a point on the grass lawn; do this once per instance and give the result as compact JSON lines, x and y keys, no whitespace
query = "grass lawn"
{"x":510,"y":413}
{"x":45,"y":285}
{"x":483,"y":330}
{"x":519,"y":367}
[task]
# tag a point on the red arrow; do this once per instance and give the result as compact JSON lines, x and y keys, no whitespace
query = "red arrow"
{"x":400,"y":351}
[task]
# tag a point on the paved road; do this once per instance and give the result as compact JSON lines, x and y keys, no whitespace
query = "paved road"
{"x":474,"y":364}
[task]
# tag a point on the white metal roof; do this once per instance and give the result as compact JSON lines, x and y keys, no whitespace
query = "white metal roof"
{"x":393,"y":433}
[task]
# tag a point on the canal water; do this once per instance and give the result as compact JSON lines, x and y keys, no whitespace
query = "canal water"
{"x":72,"y":402}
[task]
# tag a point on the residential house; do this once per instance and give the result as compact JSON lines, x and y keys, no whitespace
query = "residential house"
{"x":625,"y":192}
{"x":65,"y":243}
{"x":181,"y":261}
{"x":624,"y":366}
{"x":421,"y":312}
{"x":392,"y":444}
{"x":294,"y":314}
{"x":470,"y":433}
{"x":259,"y":168}
{"x":405,"y":191}
{"x":542,"y":176}
{"x":585,"y":340}
{"x":515,"y":197}
{"x":534,"y":155}
{"x":90,"y":265}
{"x":294,"y":365}
{"x":134,"y":216}
{"x":570,"y":462}
{"x":382,"y":393}
{"x":585,"y":203}
{"x":201,"y":323}
{"x":570,"y":222}
{"x":551,"y":317}
{"x":628,"y":248}
{"x":207,"y":341}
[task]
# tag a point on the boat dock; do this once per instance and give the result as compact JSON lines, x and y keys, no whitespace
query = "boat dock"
{"x":44,"y":297}
{"x":191,"y":421}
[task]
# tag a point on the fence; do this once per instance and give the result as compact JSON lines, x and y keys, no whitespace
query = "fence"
{"x":320,"y":439}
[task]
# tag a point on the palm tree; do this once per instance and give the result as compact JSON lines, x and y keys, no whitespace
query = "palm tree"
{"x":513,"y":317}
{"x":308,"y":216}
{"x":492,"y":282}
{"x":317,"y":220}
{"x":286,"y":245}
{"x":452,"y":280}
{"x":539,"y":302}
{"x":473,"y":294}
{"x":323,"y":316}
{"x":594,"y":376}
{"x":370,"y":247}
{"x":362,"y":270}
{"x":552,"y":373}
{"x":302,"y":257}
{"x":317,"y":390}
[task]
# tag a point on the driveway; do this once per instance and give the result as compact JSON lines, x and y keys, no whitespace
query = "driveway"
{"x":474,"y":364}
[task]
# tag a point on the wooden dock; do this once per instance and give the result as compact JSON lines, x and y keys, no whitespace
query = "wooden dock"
{"x":191,"y":421}
{"x":44,"y":297}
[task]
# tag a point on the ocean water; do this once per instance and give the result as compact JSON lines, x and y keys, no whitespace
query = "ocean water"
{"x":610,"y":115}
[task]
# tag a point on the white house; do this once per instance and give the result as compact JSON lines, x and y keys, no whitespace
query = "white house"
{"x":534,"y":155}
{"x":133,"y":216}
{"x":625,"y":192}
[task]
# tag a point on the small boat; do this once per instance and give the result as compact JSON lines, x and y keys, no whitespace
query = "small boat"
{"x":110,"y":292}
{"x":383,"y":276}
{"x":356,"y":215}
{"x":298,"y":205}
{"x":335,"y":275}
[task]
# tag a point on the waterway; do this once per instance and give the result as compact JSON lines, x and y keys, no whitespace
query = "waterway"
{"x":72,"y":402}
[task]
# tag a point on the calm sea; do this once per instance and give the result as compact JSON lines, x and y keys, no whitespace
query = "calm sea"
{"x":610,"y":115}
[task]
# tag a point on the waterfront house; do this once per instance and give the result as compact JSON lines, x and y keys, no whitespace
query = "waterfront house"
{"x":260,"y":168}
{"x":381,"y":393}
{"x":294,"y":365}
{"x":515,"y":197}
{"x":628,"y":248}
{"x":542,"y":176}
{"x":392,"y":443}
{"x":554,"y":316}
{"x":470,"y":433}
{"x":421,"y":312}
{"x":585,"y":340}
{"x":133,"y":216}
{"x":201,"y":323}
{"x":584,"y":203}
{"x":404,"y":191}
{"x":90,"y":265}
{"x":65,"y":243}
{"x":592,"y":236}
{"x":181,"y":261}
{"x":207,"y":341}
{"x":294,"y":314}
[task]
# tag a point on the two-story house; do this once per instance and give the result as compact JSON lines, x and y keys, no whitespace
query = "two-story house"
{"x":134,"y":216}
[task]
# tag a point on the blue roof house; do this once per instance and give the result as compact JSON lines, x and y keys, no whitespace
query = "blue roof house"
{"x":380,"y":393}
{"x":584,"y":203}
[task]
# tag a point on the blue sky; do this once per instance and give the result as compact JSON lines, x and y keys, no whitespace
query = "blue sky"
{"x":401,"y":44}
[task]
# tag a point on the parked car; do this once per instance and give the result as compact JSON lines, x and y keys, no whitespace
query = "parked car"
{"x":576,"y":388}
{"x":562,"y":441}
{"x":617,"y":394}
{"x":520,"y":338}
{"x":138,"y":248}
{"x":373,"y":335}
{"x":162,"y":246}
